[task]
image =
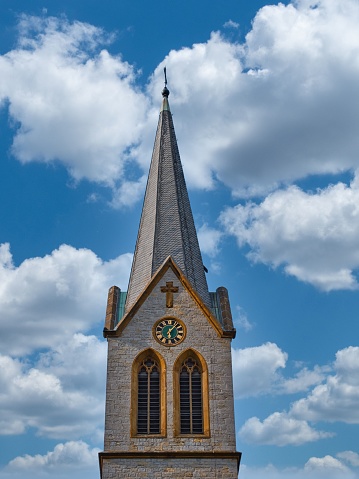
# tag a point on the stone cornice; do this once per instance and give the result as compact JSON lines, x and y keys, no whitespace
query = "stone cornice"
{"x":170,"y":455}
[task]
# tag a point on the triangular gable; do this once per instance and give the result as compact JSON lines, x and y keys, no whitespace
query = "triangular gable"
{"x":169,"y":263}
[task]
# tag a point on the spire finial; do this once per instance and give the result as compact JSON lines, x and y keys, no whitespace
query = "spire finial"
{"x":165,"y":91}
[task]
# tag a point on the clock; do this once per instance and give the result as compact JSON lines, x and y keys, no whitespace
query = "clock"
{"x":169,"y":331}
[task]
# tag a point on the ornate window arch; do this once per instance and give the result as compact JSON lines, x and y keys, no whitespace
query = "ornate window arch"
{"x":191,"y":402}
{"x":148,"y":402}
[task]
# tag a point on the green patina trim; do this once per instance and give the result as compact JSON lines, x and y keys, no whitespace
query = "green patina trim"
{"x":215,"y":307}
{"x":121,"y":306}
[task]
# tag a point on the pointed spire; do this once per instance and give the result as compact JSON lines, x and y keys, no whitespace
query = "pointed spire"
{"x":166,"y":227}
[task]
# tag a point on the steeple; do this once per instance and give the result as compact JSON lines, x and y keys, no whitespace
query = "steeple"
{"x":166,"y":227}
{"x":169,"y":395}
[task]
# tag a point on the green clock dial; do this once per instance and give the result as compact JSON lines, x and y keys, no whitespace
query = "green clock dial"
{"x":169,"y":331}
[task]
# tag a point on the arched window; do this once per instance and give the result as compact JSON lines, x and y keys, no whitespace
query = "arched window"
{"x":148,"y":401}
{"x":191,"y":395}
{"x":191,"y":411}
{"x":148,"y":397}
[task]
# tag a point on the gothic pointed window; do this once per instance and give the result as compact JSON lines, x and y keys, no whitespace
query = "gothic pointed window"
{"x":191,"y":395}
{"x":191,"y":413}
{"x":148,"y":402}
{"x":148,"y":398}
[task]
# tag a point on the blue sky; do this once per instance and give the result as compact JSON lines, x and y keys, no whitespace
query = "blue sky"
{"x":265,"y":105}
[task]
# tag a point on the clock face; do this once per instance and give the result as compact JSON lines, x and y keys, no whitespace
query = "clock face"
{"x":169,"y":331}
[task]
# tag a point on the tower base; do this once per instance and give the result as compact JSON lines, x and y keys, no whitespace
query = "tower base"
{"x":159,"y":465}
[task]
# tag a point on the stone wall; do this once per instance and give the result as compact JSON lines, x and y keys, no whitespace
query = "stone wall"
{"x":202,"y":337}
{"x":170,"y":468}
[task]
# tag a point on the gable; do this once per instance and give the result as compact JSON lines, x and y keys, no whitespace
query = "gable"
{"x":155,"y":297}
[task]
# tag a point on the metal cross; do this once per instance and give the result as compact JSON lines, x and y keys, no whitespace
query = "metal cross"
{"x":169,"y":289}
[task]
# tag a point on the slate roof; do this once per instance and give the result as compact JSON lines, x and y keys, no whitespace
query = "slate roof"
{"x":166,"y":227}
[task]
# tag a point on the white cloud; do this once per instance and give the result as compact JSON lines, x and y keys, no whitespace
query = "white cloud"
{"x":209,"y":239}
{"x":325,"y":465}
{"x":280,"y":107}
{"x":303,"y":380}
{"x":314,"y":235}
{"x":75,"y":458}
{"x":259,"y":370}
{"x":70,"y":454}
{"x":46,"y":300}
{"x":45,"y":303}
{"x":128,"y":193}
{"x":61,"y":395}
{"x":279,"y":429}
{"x":231,"y":24}
{"x":70,"y":101}
{"x":315,"y":468}
{"x":255,"y":370}
{"x":80,"y":363}
{"x":241,"y":320}
{"x":338,"y":398}
{"x":350,"y":457}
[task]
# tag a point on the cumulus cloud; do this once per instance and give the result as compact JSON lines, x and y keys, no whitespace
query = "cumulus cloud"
{"x":279,"y":429}
{"x":59,"y":391}
{"x":71,"y":101}
{"x":241,"y":320}
{"x":255,"y":370}
{"x":128,"y":193}
{"x":47,"y":299}
{"x":313,"y":235}
{"x":303,"y":380}
{"x":73,"y":457}
{"x":209,"y":239}
{"x":279,"y":107}
{"x":349,"y":457}
{"x":325,"y":465}
{"x":315,"y":468}
{"x":231,"y":24}
{"x":338,"y":398}
{"x":260,"y":370}
{"x":80,"y":363}
{"x":61,"y":395}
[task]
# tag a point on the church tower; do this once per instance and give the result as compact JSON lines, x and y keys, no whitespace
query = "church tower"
{"x":169,"y":396}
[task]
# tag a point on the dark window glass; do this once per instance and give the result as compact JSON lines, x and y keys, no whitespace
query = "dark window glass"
{"x":148,"y":405}
{"x":191,"y":413}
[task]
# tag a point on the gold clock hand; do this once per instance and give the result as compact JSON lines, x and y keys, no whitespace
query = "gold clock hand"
{"x":170,"y":330}
{"x":173,"y":327}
